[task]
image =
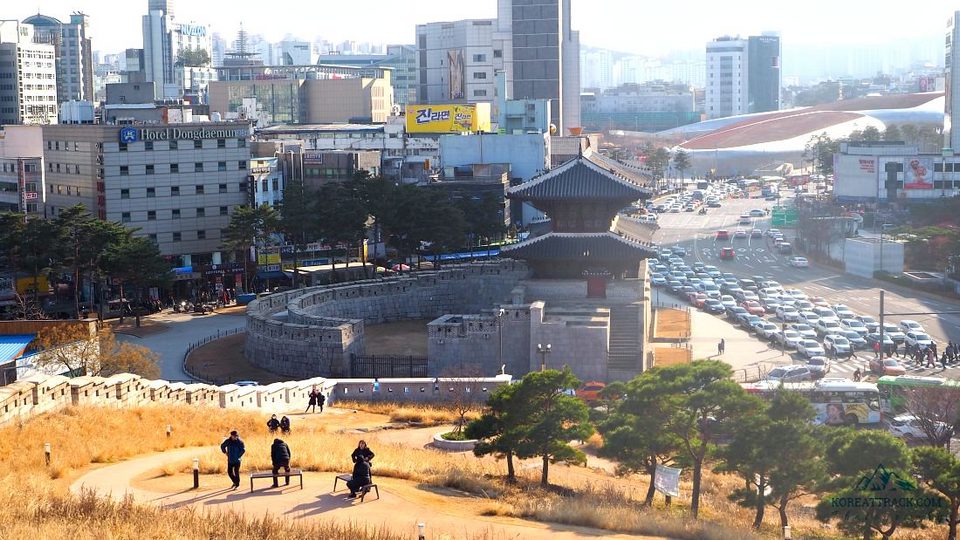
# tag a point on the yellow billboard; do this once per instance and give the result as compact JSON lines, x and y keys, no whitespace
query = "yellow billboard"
{"x":448,"y":118}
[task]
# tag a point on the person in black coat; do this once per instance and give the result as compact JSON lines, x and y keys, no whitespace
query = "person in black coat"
{"x":360,"y":478}
{"x":273,"y":424}
{"x":312,"y":404}
{"x":280,"y":456}
{"x":285,"y":425}
{"x":362,"y":453}
{"x":321,"y":399}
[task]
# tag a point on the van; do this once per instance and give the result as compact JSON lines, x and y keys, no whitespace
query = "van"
{"x":785,"y":248}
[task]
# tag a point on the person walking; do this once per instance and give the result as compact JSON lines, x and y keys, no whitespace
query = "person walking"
{"x":359,"y":478}
{"x":876,"y":350}
{"x":931,"y":358}
{"x":321,"y":399}
{"x":234,"y":449}
{"x":857,"y":375}
{"x":362,"y":453}
{"x":943,"y":359}
{"x":285,"y":425}
{"x":721,"y":346}
{"x":273,"y":424}
{"x":280,"y":458}
{"x":312,"y":404}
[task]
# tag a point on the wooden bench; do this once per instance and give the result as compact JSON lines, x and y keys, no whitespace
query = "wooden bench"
{"x":363,"y":489}
{"x":269,"y":474}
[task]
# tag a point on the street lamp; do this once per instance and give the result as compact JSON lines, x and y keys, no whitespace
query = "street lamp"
{"x":500,"y":313}
{"x":543,"y":350}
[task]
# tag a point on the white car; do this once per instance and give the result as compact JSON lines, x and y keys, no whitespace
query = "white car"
{"x":766,"y":330}
{"x":855,"y":326}
{"x":871,"y":323}
{"x":844,"y":312}
{"x":728,"y":301}
{"x":908,"y":427}
{"x":805,"y":330}
{"x":895,"y":334}
{"x":788,"y":314}
{"x":809,"y":317}
{"x":810,"y":348}
{"x":918,"y":339}
{"x":825,"y":327}
{"x":789,"y":338}
{"x":796,"y":294}
{"x":911,"y":326}
{"x":826,"y":313}
{"x":837,"y":345}
{"x":803,"y":305}
{"x":756,"y":212}
{"x":657,"y":280}
{"x":798,"y":262}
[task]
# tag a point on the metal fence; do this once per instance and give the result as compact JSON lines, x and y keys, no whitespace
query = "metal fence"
{"x":387,"y":365}
{"x":193,"y":345}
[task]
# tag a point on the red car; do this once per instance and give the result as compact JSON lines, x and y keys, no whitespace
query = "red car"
{"x":723,"y":234}
{"x":753,"y":307}
{"x":727,"y":253}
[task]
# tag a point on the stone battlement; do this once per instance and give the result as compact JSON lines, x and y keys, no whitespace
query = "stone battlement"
{"x":313,"y":332}
{"x":42,"y":393}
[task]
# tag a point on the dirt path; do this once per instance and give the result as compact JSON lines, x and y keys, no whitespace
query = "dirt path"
{"x":402,"y":505}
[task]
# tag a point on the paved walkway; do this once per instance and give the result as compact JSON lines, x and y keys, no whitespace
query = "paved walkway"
{"x":403,"y":504}
{"x":181,"y":329}
{"x":744,"y":352}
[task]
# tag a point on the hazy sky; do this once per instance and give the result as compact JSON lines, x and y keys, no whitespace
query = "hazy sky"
{"x":638,"y":26}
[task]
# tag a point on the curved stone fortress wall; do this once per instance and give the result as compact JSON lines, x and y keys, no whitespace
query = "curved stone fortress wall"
{"x":312,"y":332}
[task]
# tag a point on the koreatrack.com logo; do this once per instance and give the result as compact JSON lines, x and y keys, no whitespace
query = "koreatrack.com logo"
{"x":885,"y":489}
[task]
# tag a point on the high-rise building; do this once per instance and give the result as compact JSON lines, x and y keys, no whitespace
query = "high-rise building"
{"x":743,"y":75}
{"x":74,"y":54}
{"x":543,"y":61}
{"x":455,"y":61}
{"x":596,"y":69}
{"x":164,"y":42}
{"x":28,"y":76}
{"x":951,"y":137}
{"x":293,"y":52}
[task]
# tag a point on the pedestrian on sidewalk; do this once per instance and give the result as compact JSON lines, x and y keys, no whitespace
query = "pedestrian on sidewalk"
{"x":943,"y":359}
{"x":280,"y":458}
{"x":721,"y":346}
{"x":234,"y":449}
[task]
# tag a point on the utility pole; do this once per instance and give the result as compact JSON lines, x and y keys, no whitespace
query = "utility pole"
{"x":881,"y":319}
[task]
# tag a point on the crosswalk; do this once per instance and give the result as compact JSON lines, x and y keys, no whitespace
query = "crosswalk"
{"x":844,"y":367}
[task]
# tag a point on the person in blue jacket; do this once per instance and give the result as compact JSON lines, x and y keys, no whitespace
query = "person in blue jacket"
{"x":234,"y":449}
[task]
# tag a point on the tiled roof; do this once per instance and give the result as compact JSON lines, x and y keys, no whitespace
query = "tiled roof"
{"x":574,"y":246}
{"x":13,"y":345}
{"x":589,"y":176}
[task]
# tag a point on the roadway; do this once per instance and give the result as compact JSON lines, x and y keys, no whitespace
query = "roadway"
{"x":756,"y":256}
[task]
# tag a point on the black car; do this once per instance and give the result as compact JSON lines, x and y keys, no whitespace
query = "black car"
{"x":713,"y":306}
{"x":679,"y":251}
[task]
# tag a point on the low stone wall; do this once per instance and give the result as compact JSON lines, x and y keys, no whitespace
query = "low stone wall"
{"x":40,"y":393}
{"x":312,"y":332}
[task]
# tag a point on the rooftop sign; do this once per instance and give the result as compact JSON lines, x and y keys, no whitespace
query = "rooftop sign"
{"x":132,"y":134}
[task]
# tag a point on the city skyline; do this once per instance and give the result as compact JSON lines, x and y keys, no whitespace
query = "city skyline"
{"x":600,"y":23}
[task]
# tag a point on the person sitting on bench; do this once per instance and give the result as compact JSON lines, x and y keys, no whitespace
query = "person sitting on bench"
{"x":361,"y":477}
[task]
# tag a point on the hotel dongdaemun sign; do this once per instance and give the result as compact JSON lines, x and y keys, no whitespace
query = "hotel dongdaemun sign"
{"x":131,"y":134}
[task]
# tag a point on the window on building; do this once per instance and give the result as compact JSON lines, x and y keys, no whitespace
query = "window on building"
{"x":263,"y":185}
{"x":480,"y":75}
{"x":198,"y":166}
{"x":123,"y":147}
{"x":198,"y":144}
{"x":479,"y":58}
{"x":149,"y":169}
{"x":224,"y":210}
{"x":76,"y":169}
{"x":479,"y":93}
{"x":242,"y":165}
{"x":276,"y":184}
{"x":242,"y":143}
{"x":201,"y":234}
{"x":153,"y":238}
{"x":58,"y":167}
{"x":174,"y":191}
{"x":174,"y":167}
{"x":175,"y":213}
{"x":148,"y":145}
{"x":56,"y":145}
{"x":221,"y":166}
{"x":125,"y":217}
{"x":151,"y":215}
{"x":151,"y":192}
{"x":221,"y":143}
{"x":173,"y":145}
{"x":124,"y":193}
{"x":201,"y":212}
{"x":199,"y":189}
{"x":176,"y":237}
{"x":243,"y":187}
{"x":222,"y":188}
{"x":49,"y":144}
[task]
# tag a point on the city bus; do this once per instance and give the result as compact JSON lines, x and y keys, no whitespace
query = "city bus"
{"x":893,"y":389}
{"x":836,"y":401}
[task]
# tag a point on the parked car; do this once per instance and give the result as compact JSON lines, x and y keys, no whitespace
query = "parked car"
{"x":748,"y":284}
{"x":819,"y":366}
{"x":788,"y":314}
{"x":810,"y":348}
{"x":753,"y":307}
{"x":895,"y":334}
{"x":909,"y":428}
{"x":809,"y":317}
{"x":788,"y":338}
{"x":679,"y":251}
{"x":843,"y":311}
{"x":714,"y":306}
{"x":918,"y":339}
{"x":825,"y":327}
{"x":805,"y":330}
{"x":908,"y":325}
{"x":854,"y":325}
{"x":856,"y":340}
{"x":886,"y":366}
{"x":728,"y":301}
{"x":734,"y":313}
{"x":590,"y":391}
{"x":798,"y":262}
{"x":836,"y":345}
{"x":788,"y":374}
{"x":871,"y":323}
{"x":727,"y":254}
{"x":826,"y":313}
{"x":767,"y":330}
{"x":747,"y":321}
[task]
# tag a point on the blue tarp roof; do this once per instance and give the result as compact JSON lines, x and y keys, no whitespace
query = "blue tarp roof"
{"x":13,"y":345}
